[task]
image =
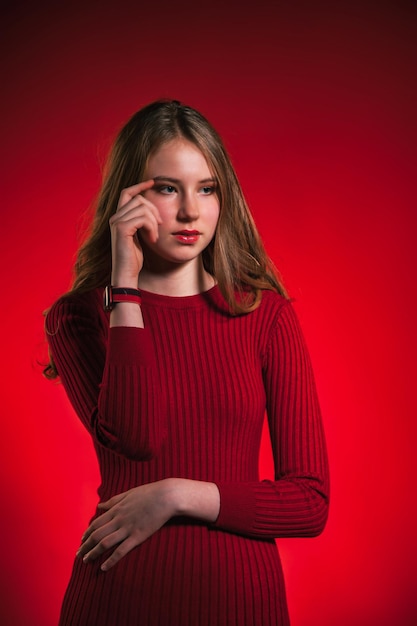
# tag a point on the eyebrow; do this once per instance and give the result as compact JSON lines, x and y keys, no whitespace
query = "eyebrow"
{"x":177,"y":181}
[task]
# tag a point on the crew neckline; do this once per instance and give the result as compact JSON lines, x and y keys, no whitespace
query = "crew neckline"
{"x":182,"y":302}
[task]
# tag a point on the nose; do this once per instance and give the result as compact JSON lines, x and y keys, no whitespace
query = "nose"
{"x":188,"y":210}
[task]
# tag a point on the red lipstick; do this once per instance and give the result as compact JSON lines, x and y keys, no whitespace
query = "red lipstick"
{"x":187,"y":236}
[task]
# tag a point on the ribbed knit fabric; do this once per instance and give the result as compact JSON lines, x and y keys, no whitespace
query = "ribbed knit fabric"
{"x":186,"y":397}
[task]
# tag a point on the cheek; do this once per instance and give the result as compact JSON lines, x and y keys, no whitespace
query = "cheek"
{"x":164,"y":203}
{"x":167,"y":214}
{"x":213,"y":212}
{"x":216,"y":215}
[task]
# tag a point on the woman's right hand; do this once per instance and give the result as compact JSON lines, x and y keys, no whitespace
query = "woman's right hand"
{"x":134,"y":212}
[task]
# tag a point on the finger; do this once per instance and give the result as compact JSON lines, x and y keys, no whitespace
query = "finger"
{"x":130,"y":215}
{"x":128,"y":199}
{"x":134,"y":190}
{"x":132,"y":212}
{"x":107,"y":504}
{"x":151,"y":206}
{"x":94,"y":535}
{"x":106,"y":543}
{"x":99,"y":522}
{"x":129,"y":193}
{"x":131,"y":203}
{"x":126,"y":546}
{"x":130,"y":227}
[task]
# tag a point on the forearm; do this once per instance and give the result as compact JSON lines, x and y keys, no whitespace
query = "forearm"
{"x":296,"y":507}
{"x":127,"y":314}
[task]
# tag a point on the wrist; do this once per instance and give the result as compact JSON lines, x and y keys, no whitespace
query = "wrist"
{"x":120,"y":295}
{"x":171,"y":494}
{"x":192,"y":498}
{"x":130,"y":282}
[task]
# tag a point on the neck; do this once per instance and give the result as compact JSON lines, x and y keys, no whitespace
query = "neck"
{"x":180,"y":280}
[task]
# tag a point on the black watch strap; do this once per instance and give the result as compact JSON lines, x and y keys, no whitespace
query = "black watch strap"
{"x":114,"y":295}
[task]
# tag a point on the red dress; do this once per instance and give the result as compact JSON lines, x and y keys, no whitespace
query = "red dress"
{"x":186,"y":397}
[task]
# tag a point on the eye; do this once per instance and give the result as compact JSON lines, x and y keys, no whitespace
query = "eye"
{"x":207,"y":191}
{"x":166,"y":189}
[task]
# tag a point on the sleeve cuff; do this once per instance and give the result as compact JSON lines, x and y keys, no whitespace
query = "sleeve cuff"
{"x":237,"y":506}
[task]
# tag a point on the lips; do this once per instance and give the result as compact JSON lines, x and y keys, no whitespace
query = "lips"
{"x":188,"y":233}
{"x":187,"y":236}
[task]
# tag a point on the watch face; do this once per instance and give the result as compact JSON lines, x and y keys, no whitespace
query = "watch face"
{"x":107,"y":298}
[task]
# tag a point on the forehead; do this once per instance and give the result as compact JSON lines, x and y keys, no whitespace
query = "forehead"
{"x":178,"y":155}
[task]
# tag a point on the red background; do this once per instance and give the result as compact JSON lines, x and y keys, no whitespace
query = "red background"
{"x":316,"y":103}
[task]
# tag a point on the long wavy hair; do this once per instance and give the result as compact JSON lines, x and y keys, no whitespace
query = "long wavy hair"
{"x":236,"y":256}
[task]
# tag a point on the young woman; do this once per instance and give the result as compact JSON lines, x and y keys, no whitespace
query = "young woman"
{"x":172,"y":377}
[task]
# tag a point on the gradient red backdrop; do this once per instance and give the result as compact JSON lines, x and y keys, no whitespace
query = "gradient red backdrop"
{"x":316,"y":103}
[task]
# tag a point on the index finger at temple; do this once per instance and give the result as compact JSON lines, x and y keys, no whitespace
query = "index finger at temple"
{"x":134,"y":190}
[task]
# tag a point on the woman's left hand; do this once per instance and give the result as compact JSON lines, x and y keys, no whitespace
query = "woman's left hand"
{"x":128,"y":520}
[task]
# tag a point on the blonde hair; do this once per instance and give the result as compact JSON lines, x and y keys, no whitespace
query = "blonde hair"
{"x":236,"y":256}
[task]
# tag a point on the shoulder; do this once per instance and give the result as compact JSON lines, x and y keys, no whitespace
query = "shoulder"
{"x":273,"y":305}
{"x":279,"y":319}
{"x":74,"y":305}
{"x":274,"y":299}
{"x":263,"y":322}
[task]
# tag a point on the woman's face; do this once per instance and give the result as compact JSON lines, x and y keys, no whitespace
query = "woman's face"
{"x":185,"y":194}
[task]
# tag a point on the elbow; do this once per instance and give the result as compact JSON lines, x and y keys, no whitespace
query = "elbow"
{"x":319,"y":522}
{"x":317,"y":515}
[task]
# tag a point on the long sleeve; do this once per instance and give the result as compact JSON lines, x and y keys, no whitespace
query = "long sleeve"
{"x":296,"y":502}
{"x":108,"y":374}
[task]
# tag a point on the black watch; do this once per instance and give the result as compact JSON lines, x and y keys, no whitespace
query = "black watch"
{"x":114,"y":295}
